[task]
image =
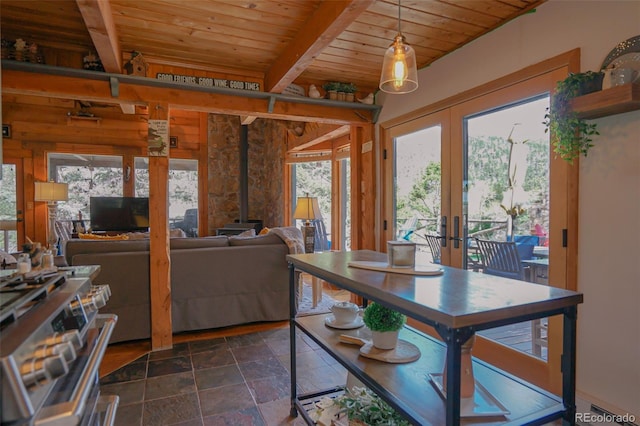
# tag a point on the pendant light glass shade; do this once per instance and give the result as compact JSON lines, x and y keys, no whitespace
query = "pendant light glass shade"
{"x":399,"y":69}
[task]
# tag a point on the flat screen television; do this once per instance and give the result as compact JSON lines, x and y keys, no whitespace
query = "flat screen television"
{"x":122,"y":214}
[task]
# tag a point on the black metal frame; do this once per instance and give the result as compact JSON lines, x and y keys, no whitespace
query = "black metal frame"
{"x":454,"y":338}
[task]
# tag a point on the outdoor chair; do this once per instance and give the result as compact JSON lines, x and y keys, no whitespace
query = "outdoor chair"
{"x":433,"y":241}
{"x":321,"y":239}
{"x":501,"y":258}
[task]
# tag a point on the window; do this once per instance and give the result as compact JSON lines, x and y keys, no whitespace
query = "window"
{"x":183,"y":191}
{"x":87,"y":176}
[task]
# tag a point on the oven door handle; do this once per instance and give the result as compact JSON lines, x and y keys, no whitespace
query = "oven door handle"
{"x":75,"y":407}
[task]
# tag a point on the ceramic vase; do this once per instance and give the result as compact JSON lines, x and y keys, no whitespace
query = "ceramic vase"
{"x":385,"y":339}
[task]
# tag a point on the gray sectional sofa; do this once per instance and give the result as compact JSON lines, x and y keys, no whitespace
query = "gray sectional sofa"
{"x":215,"y":281}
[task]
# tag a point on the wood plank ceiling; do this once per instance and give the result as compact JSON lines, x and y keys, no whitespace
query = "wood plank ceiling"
{"x":279,"y":41}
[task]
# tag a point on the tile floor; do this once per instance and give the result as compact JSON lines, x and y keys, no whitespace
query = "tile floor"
{"x":238,"y":380}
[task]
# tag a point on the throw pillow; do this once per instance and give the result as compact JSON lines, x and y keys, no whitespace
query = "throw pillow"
{"x":102,"y":237}
{"x":247,"y":233}
{"x":264,"y":231}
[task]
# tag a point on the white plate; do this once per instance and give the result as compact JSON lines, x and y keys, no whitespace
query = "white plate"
{"x":330,"y":321}
{"x":628,"y":60}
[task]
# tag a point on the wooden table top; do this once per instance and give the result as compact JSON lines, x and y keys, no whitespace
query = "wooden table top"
{"x":457,"y":298}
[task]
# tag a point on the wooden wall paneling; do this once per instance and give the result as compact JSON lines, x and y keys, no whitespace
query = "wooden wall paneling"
{"x":203,"y":174}
{"x":288,"y":202}
{"x":36,"y":213}
{"x":356,"y":190}
{"x":336,"y":203}
{"x":160,"y":263}
{"x":367,"y":224}
{"x":128,"y":175}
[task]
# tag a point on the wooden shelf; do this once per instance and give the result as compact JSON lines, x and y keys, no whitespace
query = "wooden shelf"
{"x":616,"y":100}
{"x":408,"y":386}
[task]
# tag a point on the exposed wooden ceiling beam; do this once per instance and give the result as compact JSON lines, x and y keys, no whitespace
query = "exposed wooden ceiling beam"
{"x":98,"y":19}
{"x":315,"y":134}
{"x":66,"y":87}
{"x":247,"y":119}
{"x":327,"y":22}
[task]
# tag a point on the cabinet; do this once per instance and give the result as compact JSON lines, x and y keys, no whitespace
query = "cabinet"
{"x":457,"y":304}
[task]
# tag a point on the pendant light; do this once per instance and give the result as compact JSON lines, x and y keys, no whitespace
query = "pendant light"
{"x":399,"y":70}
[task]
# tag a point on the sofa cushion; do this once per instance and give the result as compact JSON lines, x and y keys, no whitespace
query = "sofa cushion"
{"x":202,"y":242}
{"x":77,"y":246}
{"x":255,"y":241}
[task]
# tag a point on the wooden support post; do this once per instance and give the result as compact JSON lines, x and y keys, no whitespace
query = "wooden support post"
{"x":160,"y":264}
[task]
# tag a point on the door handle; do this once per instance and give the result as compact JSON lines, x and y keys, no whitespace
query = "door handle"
{"x":443,"y":232}
{"x":456,"y":232}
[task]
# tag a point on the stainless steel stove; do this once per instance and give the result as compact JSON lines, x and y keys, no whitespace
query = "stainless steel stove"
{"x":52,"y":340}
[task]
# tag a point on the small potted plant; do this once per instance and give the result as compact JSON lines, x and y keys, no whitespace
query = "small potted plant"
{"x":332,"y":89}
{"x":350,"y":90}
{"x":571,"y":135}
{"x":385,"y":325}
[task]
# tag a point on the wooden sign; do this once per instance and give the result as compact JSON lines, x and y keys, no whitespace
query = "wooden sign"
{"x":158,"y":138}
{"x":209,"y":81}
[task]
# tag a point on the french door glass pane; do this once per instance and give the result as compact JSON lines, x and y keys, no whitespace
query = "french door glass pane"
{"x":88,"y":176}
{"x":8,"y":209}
{"x":345,"y":208}
{"x":506,"y":198}
{"x":314,"y":178}
{"x":417,"y":188}
{"x":183,"y":191}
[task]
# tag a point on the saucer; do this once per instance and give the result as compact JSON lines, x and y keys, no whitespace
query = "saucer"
{"x":330,"y":321}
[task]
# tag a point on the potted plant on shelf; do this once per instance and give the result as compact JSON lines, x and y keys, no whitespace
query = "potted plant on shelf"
{"x":350,"y":90}
{"x":385,"y":325}
{"x":571,"y":135}
{"x":332,"y":89}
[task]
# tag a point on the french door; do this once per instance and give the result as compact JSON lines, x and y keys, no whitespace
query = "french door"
{"x":483,"y":168}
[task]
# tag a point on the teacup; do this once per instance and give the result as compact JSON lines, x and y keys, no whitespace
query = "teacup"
{"x":345,"y":312}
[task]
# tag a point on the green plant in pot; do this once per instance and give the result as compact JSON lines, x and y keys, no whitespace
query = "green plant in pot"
{"x":332,"y":89}
{"x":571,"y":135}
{"x":349,"y":89}
{"x":385,"y":325}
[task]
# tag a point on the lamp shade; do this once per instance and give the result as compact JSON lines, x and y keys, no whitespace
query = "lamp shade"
{"x":307,"y":208}
{"x":51,"y":191}
{"x":399,"y":69}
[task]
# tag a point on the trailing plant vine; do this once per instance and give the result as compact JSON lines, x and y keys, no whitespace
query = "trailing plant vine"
{"x":570,"y":134}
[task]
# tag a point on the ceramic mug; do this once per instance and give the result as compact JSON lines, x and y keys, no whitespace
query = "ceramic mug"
{"x":345,"y":312}
{"x":622,"y":76}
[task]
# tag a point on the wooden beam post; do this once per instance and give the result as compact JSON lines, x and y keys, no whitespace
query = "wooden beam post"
{"x":160,"y":263}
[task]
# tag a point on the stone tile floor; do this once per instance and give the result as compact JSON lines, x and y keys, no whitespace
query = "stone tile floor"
{"x":238,"y":380}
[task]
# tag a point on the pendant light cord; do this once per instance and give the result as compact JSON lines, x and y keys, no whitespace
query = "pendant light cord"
{"x":399,"y":32}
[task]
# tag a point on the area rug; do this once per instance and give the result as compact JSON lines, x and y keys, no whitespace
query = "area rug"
{"x":305,"y":305}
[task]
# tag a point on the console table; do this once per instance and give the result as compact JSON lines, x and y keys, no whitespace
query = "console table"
{"x":457,"y":304}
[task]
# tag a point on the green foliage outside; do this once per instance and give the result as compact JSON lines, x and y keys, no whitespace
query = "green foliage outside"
{"x":487,"y":179}
{"x":314,"y":178}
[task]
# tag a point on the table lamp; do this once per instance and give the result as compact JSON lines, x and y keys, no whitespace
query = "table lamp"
{"x":307,"y":209}
{"x":52,"y":192}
